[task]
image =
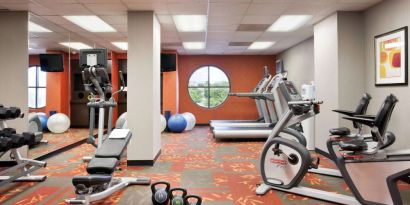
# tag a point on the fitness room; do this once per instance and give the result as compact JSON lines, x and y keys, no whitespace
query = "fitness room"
{"x":215,"y":102}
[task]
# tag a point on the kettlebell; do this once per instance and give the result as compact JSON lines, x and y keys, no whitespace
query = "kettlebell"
{"x":198,"y":200}
{"x":160,"y":194}
{"x":177,"y":199}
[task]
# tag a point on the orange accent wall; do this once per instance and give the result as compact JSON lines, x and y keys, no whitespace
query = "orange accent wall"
{"x":58,"y":95}
{"x":170,"y":94}
{"x":244,"y":73}
{"x":114,"y":82}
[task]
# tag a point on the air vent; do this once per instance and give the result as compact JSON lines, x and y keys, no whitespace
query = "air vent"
{"x":172,"y":44}
{"x":253,"y":27}
{"x":240,"y":43}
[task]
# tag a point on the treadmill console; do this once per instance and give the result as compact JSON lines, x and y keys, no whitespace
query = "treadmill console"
{"x":289,"y":91}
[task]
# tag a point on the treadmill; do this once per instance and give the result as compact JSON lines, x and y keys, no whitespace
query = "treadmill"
{"x":260,"y":105}
{"x":276,"y":105}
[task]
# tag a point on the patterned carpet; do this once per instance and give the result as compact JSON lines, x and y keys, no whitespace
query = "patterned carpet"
{"x":223,"y":173}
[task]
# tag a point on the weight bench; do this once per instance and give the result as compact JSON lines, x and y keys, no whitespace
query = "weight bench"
{"x":100,"y":183}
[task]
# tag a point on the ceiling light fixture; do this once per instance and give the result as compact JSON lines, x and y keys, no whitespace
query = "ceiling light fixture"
{"x":260,"y":45}
{"x":91,"y":23}
{"x":33,"y":27}
{"x":76,"y":45}
{"x":190,"y":23}
{"x":121,"y":45}
{"x":287,"y":23}
{"x":193,"y":45}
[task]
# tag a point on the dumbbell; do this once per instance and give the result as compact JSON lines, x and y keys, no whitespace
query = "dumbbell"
{"x":5,"y":144}
{"x":15,"y":112}
{"x":5,"y":113}
{"x":17,"y":140}
{"x":29,"y":138}
{"x":177,"y":199}
{"x":197,"y":198}
{"x":160,"y":196}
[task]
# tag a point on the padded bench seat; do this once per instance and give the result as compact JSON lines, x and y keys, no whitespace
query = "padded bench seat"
{"x":113,"y":148}
{"x":102,"y":165}
{"x":342,"y":131}
{"x":356,"y":145}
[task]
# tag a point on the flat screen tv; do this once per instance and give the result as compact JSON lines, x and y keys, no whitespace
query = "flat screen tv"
{"x":52,"y":62}
{"x":168,"y":62}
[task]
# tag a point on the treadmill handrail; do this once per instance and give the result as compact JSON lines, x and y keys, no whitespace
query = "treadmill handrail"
{"x":263,"y":96}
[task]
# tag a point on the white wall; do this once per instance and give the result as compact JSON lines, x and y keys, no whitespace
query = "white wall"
{"x":339,"y":70}
{"x":14,"y":65}
{"x":351,"y":63}
{"x":386,"y":16}
{"x":299,"y":62}
{"x":326,"y":77}
{"x":143,"y":86}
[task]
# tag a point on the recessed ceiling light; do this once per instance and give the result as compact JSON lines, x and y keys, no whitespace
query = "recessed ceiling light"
{"x":190,"y":23}
{"x":76,"y":45}
{"x":193,"y":45}
{"x":260,"y":45}
{"x":121,"y":45}
{"x":33,"y":27}
{"x":289,"y":23}
{"x":91,"y":23}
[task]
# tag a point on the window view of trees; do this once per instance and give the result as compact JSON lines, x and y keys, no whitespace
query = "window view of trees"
{"x":208,"y":86}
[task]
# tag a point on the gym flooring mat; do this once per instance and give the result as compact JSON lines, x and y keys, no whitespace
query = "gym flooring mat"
{"x":223,"y":173}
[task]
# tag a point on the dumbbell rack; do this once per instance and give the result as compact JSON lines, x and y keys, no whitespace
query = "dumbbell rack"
{"x":26,"y":166}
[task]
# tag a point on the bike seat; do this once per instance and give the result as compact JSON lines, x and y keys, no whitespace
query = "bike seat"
{"x":355,"y":145}
{"x":343,"y":131}
{"x":92,"y":180}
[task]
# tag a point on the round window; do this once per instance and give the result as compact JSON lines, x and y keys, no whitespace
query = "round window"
{"x":208,"y":86}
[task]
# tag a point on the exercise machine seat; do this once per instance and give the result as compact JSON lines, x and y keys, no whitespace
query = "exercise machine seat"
{"x":113,"y":148}
{"x":93,"y":180}
{"x":355,"y":145}
{"x":340,"y":131}
{"x":102,"y":165}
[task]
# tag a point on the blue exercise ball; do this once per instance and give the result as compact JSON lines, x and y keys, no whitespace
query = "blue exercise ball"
{"x":177,"y":123}
{"x":43,"y":119}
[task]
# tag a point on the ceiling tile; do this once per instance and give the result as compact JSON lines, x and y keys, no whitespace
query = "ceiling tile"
{"x":227,"y":9}
{"x":165,"y":19}
{"x":187,"y":8}
{"x":107,"y":9}
{"x":253,"y":27}
{"x":224,"y":20}
{"x":192,"y":36}
{"x":266,"y":9}
{"x":246,"y":36}
{"x":258,"y":19}
{"x":68,"y":9}
{"x":115,"y":19}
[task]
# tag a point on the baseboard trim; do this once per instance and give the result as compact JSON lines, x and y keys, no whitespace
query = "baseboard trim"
{"x":144,"y":162}
{"x":61,"y":150}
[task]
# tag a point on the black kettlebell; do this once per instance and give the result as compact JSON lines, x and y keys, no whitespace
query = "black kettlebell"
{"x":187,"y":199}
{"x":160,"y":195}
{"x":177,"y":199}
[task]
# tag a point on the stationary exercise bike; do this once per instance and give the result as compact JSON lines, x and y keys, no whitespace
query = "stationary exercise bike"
{"x":283,"y":162}
{"x":372,"y":172}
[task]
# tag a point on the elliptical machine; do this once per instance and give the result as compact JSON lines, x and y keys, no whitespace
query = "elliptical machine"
{"x":97,"y":82}
{"x":283,"y":162}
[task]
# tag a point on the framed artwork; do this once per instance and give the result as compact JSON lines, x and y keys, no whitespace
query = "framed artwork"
{"x":391,"y":58}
